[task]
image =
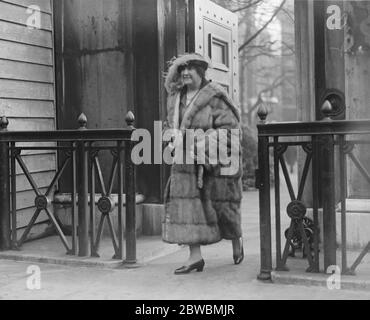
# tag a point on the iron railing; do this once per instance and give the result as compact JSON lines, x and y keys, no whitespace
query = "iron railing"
{"x":79,"y":151}
{"x":328,"y":146}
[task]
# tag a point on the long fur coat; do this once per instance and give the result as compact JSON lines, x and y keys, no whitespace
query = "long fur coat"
{"x":206,"y":215}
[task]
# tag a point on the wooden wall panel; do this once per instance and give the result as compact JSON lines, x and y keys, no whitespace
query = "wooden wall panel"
{"x":23,"y":71}
{"x":28,"y":124}
{"x":26,"y":199}
{"x":45,"y":5}
{"x":27,"y":93}
{"x":24,"y":216}
{"x":35,"y":144}
{"x":37,"y":163}
{"x":27,"y":108}
{"x":17,"y":14}
{"x":18,"y":33}
{"x":26,"y":90}
{"x":42,"y":180}
{"x":25,"y":53}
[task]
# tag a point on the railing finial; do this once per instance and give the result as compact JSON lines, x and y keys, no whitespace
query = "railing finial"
{"x":4,"y":122}
{"x":327,"y":110}
{"x":130,"y":119}
{"x":262,"y":113}
{"x":82,"y":121}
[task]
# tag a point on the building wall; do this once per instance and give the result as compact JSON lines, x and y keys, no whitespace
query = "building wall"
{"x":148,"y":84}
{"x":357,"y":70}
{"x":335,"y":59}
{"x":94,"y":66}
{"x":94,"y":62}
{"x":107,"y":65}
{"x":27,"y":89}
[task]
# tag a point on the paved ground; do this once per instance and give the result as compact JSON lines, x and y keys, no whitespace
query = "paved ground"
{"x":220,"y":280}
{"x":155,"y":279}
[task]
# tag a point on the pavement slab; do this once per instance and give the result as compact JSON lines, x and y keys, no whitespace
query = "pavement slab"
{"x":155,"y":279}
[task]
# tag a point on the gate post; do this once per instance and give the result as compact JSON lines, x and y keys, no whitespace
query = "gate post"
{"x":328,"y":193}
{"x":263,"y":185}
{"x":82,"y":191}
{"x":5,"y":241}
{"x":130,"y":186}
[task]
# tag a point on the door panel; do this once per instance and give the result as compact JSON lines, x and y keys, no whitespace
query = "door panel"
{"x":216,"y":36}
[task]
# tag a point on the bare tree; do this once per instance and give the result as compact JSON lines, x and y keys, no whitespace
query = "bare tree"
{"x":249,"y":40}
{"x":267,"y":90}
{"x":267,"y":65}
{"x":263,"y":60}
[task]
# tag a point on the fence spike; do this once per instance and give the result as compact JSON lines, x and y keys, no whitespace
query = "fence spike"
{"x":4,"y":122}
{"x":130,"y":119}
{"x":262,"y":113}
{"x":82,"y":121}
{"x":327,"y":110}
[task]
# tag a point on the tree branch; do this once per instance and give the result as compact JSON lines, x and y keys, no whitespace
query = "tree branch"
{"x":276,"y":83}
{"x":263,"y":27}
{"x":247,"y":6}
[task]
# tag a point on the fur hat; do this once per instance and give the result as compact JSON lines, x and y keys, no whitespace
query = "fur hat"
{"x":173,"y":81}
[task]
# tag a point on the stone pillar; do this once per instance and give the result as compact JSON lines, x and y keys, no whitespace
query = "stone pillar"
{"x":357,"y":67}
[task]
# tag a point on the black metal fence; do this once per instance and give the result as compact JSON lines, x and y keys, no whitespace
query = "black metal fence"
{"x":328,"y":146}
{"x":80,"y":149}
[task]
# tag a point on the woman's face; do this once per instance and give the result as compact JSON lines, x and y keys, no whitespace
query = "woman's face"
{"x":190,"y":77}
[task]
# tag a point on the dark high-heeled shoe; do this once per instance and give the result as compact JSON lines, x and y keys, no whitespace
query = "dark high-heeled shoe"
{"x":199,"y":266}
{"x":240,"y":257}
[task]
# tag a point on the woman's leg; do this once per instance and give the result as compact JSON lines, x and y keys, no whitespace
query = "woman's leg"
{"x":195,"y":261}
{"x":195,"y":253}
{"x":238,"y":251}
{"x":236,"y":246}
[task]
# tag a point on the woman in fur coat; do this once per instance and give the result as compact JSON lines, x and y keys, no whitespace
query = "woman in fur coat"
{"x":202,"y":198}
